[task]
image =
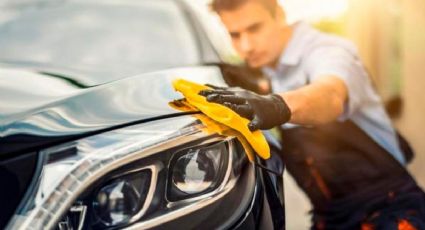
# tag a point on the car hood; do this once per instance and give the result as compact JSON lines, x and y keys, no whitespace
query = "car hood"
{"x":47,"y":108}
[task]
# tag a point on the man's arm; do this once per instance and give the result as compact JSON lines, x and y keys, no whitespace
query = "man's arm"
{"x":336,"y":90}
{"x":320,"y":102}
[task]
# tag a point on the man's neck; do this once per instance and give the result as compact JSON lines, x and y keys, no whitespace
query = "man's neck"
{"x":286,"y":36}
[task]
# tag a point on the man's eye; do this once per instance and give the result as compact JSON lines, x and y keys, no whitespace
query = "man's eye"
{"x":254,"y":28}
{"x":234,"y":35}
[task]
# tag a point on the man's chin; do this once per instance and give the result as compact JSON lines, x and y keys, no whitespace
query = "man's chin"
{"x":255,"y":64}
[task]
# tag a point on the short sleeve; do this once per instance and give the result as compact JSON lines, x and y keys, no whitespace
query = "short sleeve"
{"x":344,"y":64}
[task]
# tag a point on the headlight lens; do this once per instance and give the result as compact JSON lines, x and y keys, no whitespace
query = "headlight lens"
{"x":116,"y":203}
{"x":119,"y":200}
{"x":196,"y":171}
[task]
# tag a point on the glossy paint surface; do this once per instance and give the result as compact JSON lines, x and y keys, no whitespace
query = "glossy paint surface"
{"x":77,"y":111}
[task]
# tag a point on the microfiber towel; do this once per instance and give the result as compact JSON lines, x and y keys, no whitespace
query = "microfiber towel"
{"x":222,"y":115}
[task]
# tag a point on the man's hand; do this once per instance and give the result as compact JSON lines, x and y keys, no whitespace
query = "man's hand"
{"x":265,"y":112}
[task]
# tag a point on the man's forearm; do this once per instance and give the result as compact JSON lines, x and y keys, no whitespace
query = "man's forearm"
{"x":318,"y":103}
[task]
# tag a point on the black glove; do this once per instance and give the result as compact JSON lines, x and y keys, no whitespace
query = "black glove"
{"x":265,"y":112}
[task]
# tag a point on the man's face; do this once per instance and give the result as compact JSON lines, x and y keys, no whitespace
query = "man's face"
{"x":256,"y":34}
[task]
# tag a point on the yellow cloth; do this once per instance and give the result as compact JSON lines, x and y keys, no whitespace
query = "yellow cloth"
{"x":212,"y":126}
{"x":222,"y":115}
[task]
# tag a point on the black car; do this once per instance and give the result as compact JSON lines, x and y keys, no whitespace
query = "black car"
{"x":87,"y":138}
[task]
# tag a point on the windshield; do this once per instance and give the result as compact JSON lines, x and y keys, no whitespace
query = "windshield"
{"x":107,"y":40}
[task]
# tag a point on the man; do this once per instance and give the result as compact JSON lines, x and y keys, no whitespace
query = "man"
{"x":338,"y":141}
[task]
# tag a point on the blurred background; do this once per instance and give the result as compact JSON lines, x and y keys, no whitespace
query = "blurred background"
{"x":390,"y":36}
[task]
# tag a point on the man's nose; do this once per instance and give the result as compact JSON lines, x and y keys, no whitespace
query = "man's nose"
{"x":245,"y":43}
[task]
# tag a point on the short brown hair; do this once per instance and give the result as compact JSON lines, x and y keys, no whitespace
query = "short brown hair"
{"x":218,"y":5}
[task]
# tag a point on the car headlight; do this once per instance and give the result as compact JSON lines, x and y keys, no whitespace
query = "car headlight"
{"x":196,"y":170}
{"x":146,"y":174}
{"x":121,"y":199}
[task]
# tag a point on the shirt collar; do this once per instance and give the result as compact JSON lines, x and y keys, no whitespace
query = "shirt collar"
{"x":292,"y":53}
